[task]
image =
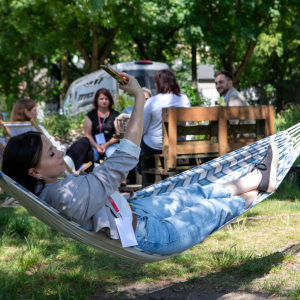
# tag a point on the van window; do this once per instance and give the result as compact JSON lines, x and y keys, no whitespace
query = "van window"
{"x":141,"y":81}
{"x":152,"y":84}
{"x":144,"y":77}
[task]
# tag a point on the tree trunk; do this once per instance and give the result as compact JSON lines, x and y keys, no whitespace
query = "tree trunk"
{"x":64,"y":79}
{"x":107,"y":45}
{"x":297,"y":96}
{"x":194,"y":66}
{"x":95,"y":63}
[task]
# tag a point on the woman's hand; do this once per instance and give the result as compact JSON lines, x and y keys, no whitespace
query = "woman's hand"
{"x":135,"y":125}
{"x":100,"y":149}
{"x":132,"y":87}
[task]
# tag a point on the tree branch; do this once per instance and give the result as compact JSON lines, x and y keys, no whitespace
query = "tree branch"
{"x":244,"y":63}
{"x":108,"y":43}
{"x":141,"y":47}
{"x":95,"y":49}
{"x":230,"y":60}
{"x":84,"y":53}
{"x":169,"y":35}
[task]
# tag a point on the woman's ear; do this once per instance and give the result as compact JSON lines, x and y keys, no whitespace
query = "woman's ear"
{"x":33,"y":172}
{"x":26,"y":112}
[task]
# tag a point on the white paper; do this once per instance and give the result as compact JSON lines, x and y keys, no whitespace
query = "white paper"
{"x":126,"y":232}
{"x":100,"y":138}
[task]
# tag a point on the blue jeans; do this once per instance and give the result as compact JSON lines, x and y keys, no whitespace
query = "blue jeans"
{"x":108,"y":152}
{"x":173,"y":222}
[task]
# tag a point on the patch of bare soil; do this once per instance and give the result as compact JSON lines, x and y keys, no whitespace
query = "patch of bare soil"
{"x":177,"y":291}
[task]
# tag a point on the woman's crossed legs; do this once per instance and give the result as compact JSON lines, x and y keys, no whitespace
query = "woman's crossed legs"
{"x":173,"y":222}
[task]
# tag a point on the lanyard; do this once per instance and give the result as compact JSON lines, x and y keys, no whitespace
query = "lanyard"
{"x":115,"y":206}
{"x":100,"y":124}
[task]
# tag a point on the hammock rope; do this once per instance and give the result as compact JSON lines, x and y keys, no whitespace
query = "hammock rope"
{"x":229,"y":167}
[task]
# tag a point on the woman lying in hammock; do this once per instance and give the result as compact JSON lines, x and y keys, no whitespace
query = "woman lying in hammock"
{"x":164,"y":224}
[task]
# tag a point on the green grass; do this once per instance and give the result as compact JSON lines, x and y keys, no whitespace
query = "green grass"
{"x":37,"y":262}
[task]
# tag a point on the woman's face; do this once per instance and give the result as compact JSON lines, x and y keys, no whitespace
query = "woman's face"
{"x":31,"y":114}
{"x":51,"y":163}
{"x":103,"y":101}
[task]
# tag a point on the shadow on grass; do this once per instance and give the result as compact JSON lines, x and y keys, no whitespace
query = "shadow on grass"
{"x":212,"y":286}
{"x":85,"y":272}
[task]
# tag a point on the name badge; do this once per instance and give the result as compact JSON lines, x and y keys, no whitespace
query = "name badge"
{"x":100,"y":138}
{"x":126,"y":232}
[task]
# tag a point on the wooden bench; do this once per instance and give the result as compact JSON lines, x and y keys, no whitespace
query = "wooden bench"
{"x":215,"y":139}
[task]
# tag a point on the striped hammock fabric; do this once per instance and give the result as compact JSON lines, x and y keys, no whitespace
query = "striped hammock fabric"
{"x":223,"y":169}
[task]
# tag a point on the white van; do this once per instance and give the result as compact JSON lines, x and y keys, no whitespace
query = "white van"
{"x":81,"y":92}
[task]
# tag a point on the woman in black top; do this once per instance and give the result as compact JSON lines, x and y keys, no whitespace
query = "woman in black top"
{"x":99,"y":125}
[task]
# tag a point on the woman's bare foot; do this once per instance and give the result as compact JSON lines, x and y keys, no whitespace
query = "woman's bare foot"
{"x":249,"y":197}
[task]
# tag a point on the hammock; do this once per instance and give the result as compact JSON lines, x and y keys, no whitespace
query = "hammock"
{"x":223,"y":169}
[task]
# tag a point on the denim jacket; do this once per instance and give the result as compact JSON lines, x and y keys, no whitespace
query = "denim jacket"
{"x":84,"y":198}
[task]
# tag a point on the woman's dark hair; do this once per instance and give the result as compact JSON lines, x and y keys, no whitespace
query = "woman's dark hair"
{"x":18,"y":111}
{"x":166,"y":82}
{"x":22,"y":153}
{"x":107,"y":94}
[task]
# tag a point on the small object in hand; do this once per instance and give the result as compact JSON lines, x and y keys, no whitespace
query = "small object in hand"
{"x":114,"y":74}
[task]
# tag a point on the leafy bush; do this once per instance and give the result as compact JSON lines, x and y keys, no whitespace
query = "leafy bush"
{"x":196,"y":100}
{"x":60,"y":125}
{"x":183,"y":76}
{"x":288,"y":189}
{"x":287,"y":118}
{"x":123,"y":102}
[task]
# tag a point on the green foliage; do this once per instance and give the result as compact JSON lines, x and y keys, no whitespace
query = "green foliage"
{"x":60,"y":125}
{"x":123,"y":102}
{"x":287,"y":117}
{"x":229,"y":257}
{"x":7,"y":103}
{"x":35,"y":35}
{"x":57,"y":125}
{"x":183,"y":76}
{"x":192,"y":94}
{"x":221,"y":101}
{"x":295,"y":295}
{"x":288,"y":189}
{"x":94,"y":5}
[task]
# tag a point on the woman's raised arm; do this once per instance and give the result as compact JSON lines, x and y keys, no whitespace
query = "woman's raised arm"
{"x":134,"y":129}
